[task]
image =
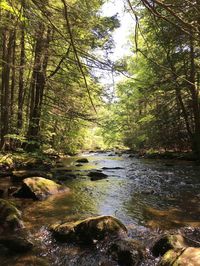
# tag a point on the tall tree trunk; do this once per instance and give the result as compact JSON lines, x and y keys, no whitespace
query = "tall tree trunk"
{"x":12,"y":89}
{"x":38,"y":84}
{"x":21,"y":78}
{"x":7,"y":43}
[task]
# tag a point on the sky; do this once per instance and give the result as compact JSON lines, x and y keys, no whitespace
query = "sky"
{"x":122,"y":45}
{"x":120,"y":35}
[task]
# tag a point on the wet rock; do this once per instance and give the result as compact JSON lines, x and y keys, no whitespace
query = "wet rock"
{"x":38,"y":188}
{"x":10,"y":216}
{"x":22,"y":174}
{"x":89,"y":230}
{"x":113,"y":168}
{"x":127,"y":252}
{"x":65,"y":177}
{"x":82,"y":160}
{"x":168,"y":242}
{"x":16,"y":243}
{"x":186,"y":257}
{"x":96,"y":175}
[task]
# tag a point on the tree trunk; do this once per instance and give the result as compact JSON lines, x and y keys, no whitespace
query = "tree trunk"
{"x":37,"y":85}
{"x":21,"y":78}
{"x":7,"y":44}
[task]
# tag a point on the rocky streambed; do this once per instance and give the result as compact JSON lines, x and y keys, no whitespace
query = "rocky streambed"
{"x":103,"y":209}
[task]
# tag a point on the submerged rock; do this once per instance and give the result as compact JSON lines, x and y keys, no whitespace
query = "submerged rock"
{"x":38,"y":188}
{"x":96,"y":175}
{"x":82,"y":160}
{"x":22,"y":174}
{"x":88,"y":230}
{"x":10,"y":216}
{"x":127,"y":252}
{"x":183,"y":257}
{"x":168,"y":242}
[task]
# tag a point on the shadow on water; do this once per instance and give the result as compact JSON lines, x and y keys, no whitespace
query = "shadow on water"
{"x":143,"y":194}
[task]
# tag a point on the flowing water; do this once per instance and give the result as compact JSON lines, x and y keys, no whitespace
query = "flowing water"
{"x":148,"y":196}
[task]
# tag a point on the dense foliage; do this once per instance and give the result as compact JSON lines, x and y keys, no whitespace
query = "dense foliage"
{"x":159,"y":104}
{"x":48,"y":92}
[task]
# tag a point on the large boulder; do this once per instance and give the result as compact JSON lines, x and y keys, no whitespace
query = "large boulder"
{"x":38,"y":188}
{"x":89,"y":230}
{"x":183,"y":257}
{"x":127,"y":251}
{"x":167,"y":242}
{"x":10,"y":216}
{"x":96,"y":175}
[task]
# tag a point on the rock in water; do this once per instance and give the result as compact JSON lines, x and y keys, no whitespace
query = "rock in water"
{"x":95,"y":175}
{"x":10,"y":216}
{"x":38,"y":188}
{"x":185,"y":257}
{"x":82,"y":160}
{"x":127,"y":252}
{"x":168,"y":242}
{"x":88,"y":230}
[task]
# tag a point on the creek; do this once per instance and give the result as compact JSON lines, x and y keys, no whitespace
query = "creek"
{"x":149,"y":196}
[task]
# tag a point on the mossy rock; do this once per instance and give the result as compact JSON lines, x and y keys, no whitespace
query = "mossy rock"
{"x":127,"y":251}
{"x":186,"y":257}
{"x":167,"y":242}
{"x":88,"y":230}
{"x":38,"y":188}
{"x":10,"y":216}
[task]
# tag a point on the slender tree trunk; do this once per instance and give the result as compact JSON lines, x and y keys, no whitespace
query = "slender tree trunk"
{"x":12,"y":89}
{"x":21,"y":79}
